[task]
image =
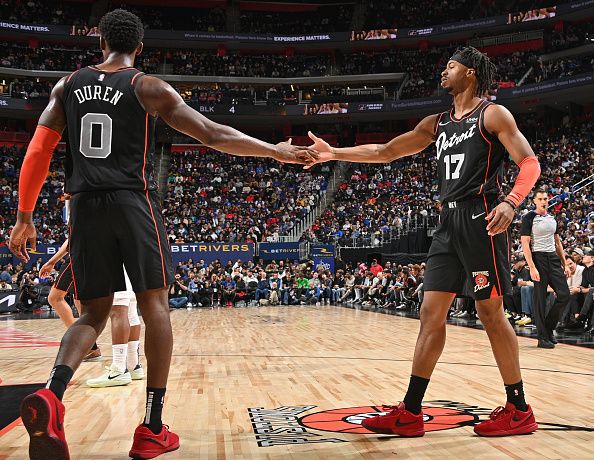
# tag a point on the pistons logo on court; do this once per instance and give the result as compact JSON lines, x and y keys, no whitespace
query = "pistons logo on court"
{"x":481,"y":280}
{"x":290,"y":425}
{"x":348,"y":420}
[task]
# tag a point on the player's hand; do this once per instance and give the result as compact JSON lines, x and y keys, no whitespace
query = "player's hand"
{"x":286,"y":152}
{"x":534,"y":274}
{"x":499,"y":218}
{"x":325,"y":152}
{"x":23,"y":231}
{"x":567,"y":271}
{"x":46,"y":270}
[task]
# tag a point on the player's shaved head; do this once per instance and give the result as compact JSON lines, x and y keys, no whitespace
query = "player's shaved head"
{"x":123,"y":31}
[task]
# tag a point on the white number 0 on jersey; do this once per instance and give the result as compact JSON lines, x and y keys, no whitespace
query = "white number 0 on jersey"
{"x":103,"y":122}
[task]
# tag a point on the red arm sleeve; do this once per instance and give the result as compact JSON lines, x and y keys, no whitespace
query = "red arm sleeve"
{"x":36,"y":166}
{"x":529,"y":174}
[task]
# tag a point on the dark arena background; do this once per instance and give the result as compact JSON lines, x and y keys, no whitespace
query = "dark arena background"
{"x":296,"y":309}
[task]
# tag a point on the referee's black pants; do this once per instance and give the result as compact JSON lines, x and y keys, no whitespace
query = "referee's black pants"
{"x":552,"y":274}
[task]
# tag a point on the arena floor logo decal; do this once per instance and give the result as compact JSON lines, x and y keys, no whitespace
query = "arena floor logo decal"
{"x":287,"y":425}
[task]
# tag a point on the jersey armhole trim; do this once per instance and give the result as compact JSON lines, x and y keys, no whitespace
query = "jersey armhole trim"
{"x":72,"y":75}
{"x":480,"y":123}
{"x":437,"y":120}
{"x":483,"y":129}
{"x":134,"y":77}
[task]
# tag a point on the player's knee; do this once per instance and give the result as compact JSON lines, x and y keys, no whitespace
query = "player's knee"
{"x":491,"y":317}
{"x":118,"y":312}
{"x":431,"y":319}
{"x":55,"y":296}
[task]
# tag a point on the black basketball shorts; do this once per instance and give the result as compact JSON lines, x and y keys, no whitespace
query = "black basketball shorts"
{"x":463,"y":258}
{"x":117,"y":228}
{"x":64,"y":280}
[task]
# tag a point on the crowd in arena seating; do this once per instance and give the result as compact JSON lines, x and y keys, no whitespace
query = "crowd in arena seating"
{"x":377,"y":200}
{"x":216,"y":197}
{"x":422,"y":67}
{"x":48,"y":213}
{"x":322,"y":19}
{"x":188,"y":62}
{"x":23,"y":88}
{"x":177,"y":18}
{"x":325,"y":19}
{"x":45,"y":12}
{"x":286,"y":282}
{"x":397,"y":14}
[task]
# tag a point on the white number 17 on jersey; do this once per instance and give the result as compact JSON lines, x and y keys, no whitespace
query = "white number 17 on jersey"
{"x":456,"y":160}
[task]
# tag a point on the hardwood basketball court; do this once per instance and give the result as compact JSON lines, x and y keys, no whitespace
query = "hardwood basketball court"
{"x":294,"y":382}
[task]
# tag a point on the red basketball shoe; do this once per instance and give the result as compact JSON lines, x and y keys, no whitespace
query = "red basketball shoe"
{"x":43,"y":416}
{"x":149,"y":445}
{"x":507,"y":421}
{"x":397,"y":421}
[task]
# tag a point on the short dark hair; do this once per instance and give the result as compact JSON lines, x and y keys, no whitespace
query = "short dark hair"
{"x":123,"y":31}
{"x":484,"y":67}
{"x":541,"y":190}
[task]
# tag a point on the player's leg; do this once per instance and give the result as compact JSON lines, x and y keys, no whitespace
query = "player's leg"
{"x":488,"y":268}
{"x":147,"y":258}
{"x":57,"y":300}
{"x":43,"y":412}
{"x":517,"y":416}
{"x":443,"y":278}
{"x":58,"y":292}
{"x":90,"y":239}
{"x":117,"y":374}
{"x":504,"y":343}
{"x":94,"y":354}
{"x":134,"y":365}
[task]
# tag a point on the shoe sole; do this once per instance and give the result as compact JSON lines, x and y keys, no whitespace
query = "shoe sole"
{"x":414,"y":434}
{"x":93,"y":360}
{"x":522,"y":430}
{"x":42,"y":444}
{"x":138,"y":377}
{"x":110,"y":383}
{"x":151,"y":453}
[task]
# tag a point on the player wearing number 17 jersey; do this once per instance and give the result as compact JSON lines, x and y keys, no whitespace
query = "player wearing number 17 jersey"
{"x":111,"y":110}
{"x":470,"y":248}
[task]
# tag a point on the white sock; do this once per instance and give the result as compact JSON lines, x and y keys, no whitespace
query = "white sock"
{"x":133,"y":354}
{"x":119,"y":356}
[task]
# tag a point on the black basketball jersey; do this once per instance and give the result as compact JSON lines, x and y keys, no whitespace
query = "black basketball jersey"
{"x":111,"y":136}
{"x":469,"y":159}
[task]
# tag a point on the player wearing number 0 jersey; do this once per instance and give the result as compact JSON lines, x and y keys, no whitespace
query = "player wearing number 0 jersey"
{"x":110,"y":110}
{"x":469,"y":252}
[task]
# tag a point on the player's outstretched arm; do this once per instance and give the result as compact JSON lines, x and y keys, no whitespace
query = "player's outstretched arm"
{"x":160,"y":99}
{"x":406,"y":144}
{"x":34,"y":171}
{"x":47,"y":268}
{"x":500,"y":122}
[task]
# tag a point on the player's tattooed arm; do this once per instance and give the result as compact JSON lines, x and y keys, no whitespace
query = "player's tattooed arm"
{"x":159,"y":99}
{"x":406,"y":144}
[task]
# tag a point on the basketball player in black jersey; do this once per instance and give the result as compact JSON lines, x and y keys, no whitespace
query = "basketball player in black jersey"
{"x":470,"y":248}
{"x":110,"y":111}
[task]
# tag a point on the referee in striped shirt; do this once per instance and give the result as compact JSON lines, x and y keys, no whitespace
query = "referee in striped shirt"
{"x":544,"y":254}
